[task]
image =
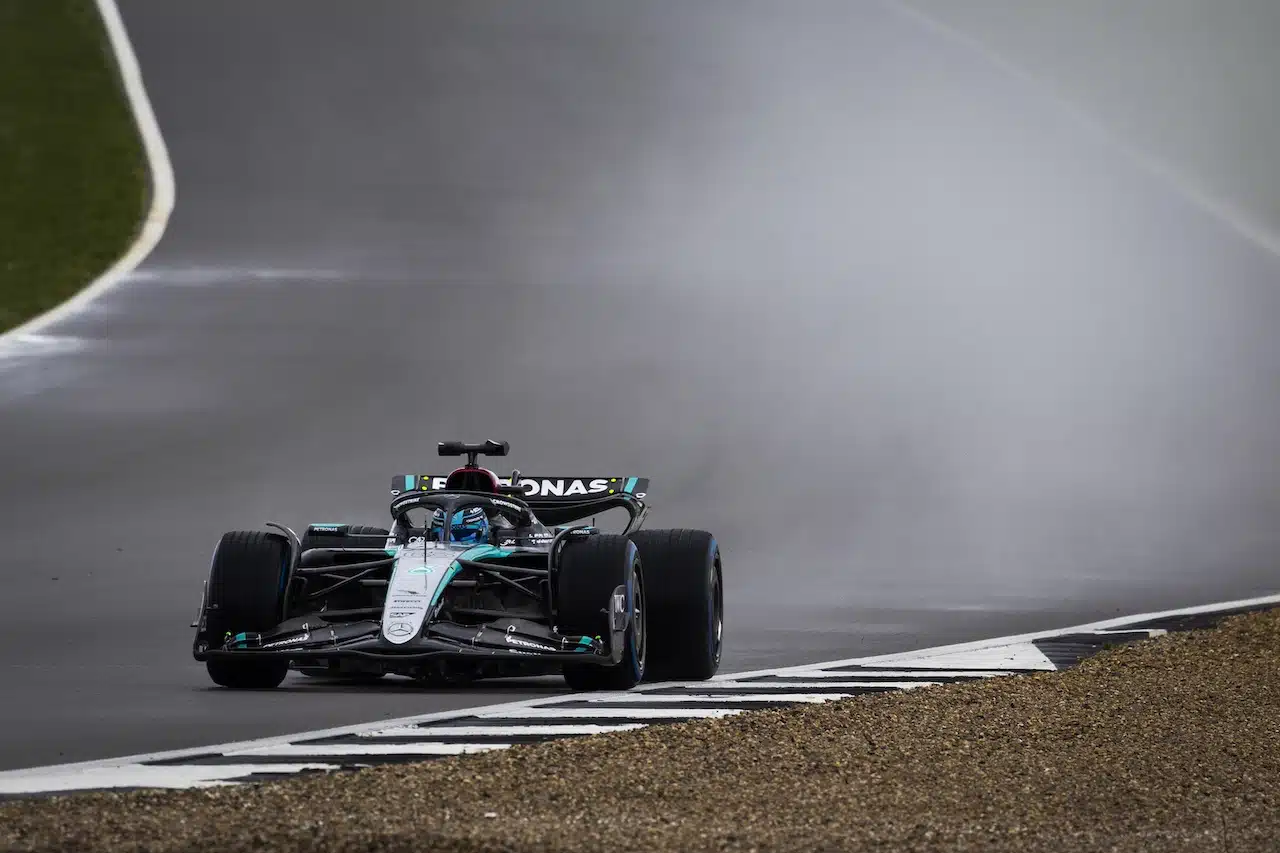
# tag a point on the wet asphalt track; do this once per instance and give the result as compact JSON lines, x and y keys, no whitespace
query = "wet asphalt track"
{"x":932,"y":361}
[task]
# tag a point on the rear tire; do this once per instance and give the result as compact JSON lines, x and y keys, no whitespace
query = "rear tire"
{"x":686,"y":597}
{"x":246,"y":591}
{"x":589,"y":571}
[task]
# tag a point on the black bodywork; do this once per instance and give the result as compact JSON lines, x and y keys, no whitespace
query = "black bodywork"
{"x":495,"y":612}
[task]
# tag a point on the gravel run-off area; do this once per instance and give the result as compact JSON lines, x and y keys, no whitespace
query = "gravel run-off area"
{"x":1171,"y":744}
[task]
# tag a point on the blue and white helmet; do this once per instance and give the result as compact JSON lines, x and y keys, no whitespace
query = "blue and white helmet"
{"x":470,"y":526}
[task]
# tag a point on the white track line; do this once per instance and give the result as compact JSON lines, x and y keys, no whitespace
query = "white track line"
{"x":704,"y":698}
{"x":220,"y":749}
{"x":607,"y":713}
{"x":162,"y":186}
{"x":553,"y":730}
{"x":314,"y":750}
{"x":876,"y":673}
{"x":1021,"y":656}
{"x":803,"y":686}
{"x":140,"y":776}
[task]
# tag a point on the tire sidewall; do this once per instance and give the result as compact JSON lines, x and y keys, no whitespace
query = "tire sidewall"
{"x":636,"y":646}
{"x":715,"y":607}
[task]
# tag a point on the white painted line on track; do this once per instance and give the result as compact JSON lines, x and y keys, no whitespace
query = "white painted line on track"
{"x":877,"y":673}
{"x":1150,"y":632}
{"x":700,"y":698}
{"x":313,"y":750}
{"x":608,"y":713}
{"x":162,"y":189}
{"x":805,"y":686}
{"x":219,"y":749}
{"x":1013,"y":656}
{"x":551,"y":730}
{"x":144,"y":776}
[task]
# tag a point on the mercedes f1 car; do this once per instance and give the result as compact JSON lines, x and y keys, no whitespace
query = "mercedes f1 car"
{"x":469,"y":582}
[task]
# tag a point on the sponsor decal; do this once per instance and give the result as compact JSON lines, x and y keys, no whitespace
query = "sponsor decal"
{"x":618,"y":616}
{"x":506,"y":504}
{"x":541,"y":487}
{"x":416,"y":583}
{"x":528,"y":644}
{"x":292,"y":641}
{"x":564,"y":488}
{"x":254,"y":640}
{"x":326,"y":528}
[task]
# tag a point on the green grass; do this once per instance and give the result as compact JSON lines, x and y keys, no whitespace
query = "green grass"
{"x":73,"y":179}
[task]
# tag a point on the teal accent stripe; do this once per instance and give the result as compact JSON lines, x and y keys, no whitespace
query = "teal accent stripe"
{"x":476,"y":553}
{"x":408,"y":482}
{"x":631,"y":484}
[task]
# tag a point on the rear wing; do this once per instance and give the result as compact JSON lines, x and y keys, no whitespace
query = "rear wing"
{"x":555,"y":500}
{"x":536,"y":489}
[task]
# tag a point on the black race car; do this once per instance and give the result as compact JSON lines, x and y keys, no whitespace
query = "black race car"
{"x":468,"y":583}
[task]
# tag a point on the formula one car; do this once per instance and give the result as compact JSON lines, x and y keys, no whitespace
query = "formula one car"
{"x":468,"y":583}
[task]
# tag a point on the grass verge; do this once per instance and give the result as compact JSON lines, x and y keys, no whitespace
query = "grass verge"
{"x":1171,"y":745}
{"x":73,"y":178}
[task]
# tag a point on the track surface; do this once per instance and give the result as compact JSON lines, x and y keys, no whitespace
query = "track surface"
{"x":933,"y":362}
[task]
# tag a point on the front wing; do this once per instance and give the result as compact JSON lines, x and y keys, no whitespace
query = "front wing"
{"x":502,"y":639}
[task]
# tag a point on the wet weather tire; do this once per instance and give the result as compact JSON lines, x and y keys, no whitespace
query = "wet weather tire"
{"x":589,"y":572}
{"x":246,"y":587}
{"x":686,"y":597}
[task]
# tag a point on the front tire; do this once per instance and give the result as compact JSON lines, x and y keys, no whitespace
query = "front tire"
{"x":246,"y":592}
{"x":686,"y":597}
{"x":589,"y":572}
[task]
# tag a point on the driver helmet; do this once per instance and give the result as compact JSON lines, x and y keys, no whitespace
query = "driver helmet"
{"x":470,"y":526}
